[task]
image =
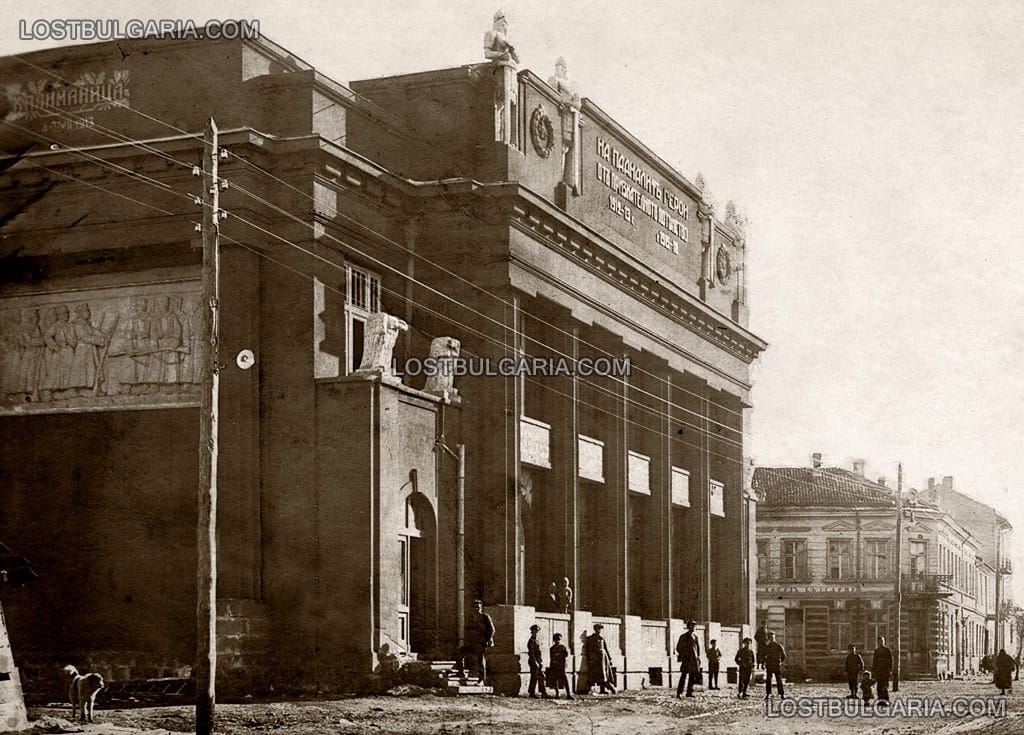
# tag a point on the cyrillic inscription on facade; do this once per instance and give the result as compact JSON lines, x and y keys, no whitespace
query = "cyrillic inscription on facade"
{"x":638,"y":193}
{"x":102,"y":348}
{"x":534,"y":442}
{"x":49,"y":97}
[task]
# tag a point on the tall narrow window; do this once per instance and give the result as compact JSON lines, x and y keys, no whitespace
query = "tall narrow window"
{"x":840,"y":559}
{"x":794,"y":559}
{"x":877,"y":561}
{"x":762,"y":558}
{"x":362,"y":298}
{"x":918,"y":557}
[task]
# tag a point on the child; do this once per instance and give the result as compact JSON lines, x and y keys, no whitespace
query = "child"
{"x":866,"y":682}
{"x":745,"y":660}
{"x":714,"y":656}
{"x":556,"y":670}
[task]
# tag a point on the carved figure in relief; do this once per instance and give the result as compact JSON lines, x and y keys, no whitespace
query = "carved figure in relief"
{"x":192,"y":356}
{"x":58,"y":337}
{"x":85,"y":362}
{"x":381,"y":333}
{"x":150,"y":347}
{"x":168,"y":330}
{"x":121,"y":367}
{"x":25,"y":356}
{"x":444,"y":350}
{"x":497,"y":44}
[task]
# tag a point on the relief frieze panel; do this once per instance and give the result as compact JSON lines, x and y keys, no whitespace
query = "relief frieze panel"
{"x":109,"y":348}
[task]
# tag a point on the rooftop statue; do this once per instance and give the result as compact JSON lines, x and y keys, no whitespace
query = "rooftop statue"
{"x":497,"y":44}
{"x":567,"y":90}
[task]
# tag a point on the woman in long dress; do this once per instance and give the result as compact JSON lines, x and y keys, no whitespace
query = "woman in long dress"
{"x":1005,"y":666}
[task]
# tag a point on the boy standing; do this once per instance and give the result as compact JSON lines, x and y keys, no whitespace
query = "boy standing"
{"x":714,"y":656}
{"x":745,"y":660}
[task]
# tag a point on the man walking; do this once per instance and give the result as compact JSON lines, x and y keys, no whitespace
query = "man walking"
{"x":688,"y":655}
{"x":774,"y":656}
{"x":881,"y":666}
{"x":854,"y":666}
{"x":745,"y":660}
{"x":536,"y":661}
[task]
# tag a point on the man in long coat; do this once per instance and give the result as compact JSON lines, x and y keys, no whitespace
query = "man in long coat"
{"x":598,"y":661}
{"x":688,"y":655}
{"x":881,"y":668}
{"x":479,"y":637}
{"x":854,"y":667}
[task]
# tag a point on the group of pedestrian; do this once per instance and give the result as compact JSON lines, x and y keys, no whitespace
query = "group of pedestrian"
{"x":688,"y":654}
{"x":595,"y":669}
{"x":857,"y":676}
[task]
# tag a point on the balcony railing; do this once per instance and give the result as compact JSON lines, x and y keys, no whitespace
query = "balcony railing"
{"x":927,"y":584}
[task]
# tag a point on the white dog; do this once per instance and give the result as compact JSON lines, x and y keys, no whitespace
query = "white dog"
{"x":83,"y":691}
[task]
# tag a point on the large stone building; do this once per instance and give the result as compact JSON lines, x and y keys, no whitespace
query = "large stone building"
{"x":826,"y":548}
{"x":481,"y":204}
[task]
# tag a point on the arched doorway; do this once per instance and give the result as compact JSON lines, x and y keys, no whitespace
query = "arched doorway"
{"x":420,"y":581}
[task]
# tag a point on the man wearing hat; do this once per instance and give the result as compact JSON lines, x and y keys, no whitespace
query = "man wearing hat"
{"x":533,"y":656}
{"x":688,"y":654}
{"x":558,"y":655}
{"x":479,"y":637}
{"x":599,"y":661}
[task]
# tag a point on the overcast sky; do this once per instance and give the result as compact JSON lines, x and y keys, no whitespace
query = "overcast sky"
{"x":876,"y":148}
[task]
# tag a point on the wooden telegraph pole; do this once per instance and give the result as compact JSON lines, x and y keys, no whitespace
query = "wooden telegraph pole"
{"x":899,"y":579}
{"x":206,"y":573}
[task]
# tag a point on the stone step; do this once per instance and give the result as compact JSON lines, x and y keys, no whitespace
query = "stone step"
{"x":469,"y":689}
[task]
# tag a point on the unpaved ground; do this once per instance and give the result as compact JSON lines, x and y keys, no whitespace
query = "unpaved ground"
{"x":650,"y":711}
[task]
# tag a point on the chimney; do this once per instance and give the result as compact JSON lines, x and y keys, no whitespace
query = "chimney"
{"x":931,"y":483}
{"x":882,"y":481}
{"x":858,"y":467}
{"x":816,"y":460}
{"x":947,"y":483}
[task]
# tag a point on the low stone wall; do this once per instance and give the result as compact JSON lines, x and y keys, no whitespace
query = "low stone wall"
{"x":642,"y":651}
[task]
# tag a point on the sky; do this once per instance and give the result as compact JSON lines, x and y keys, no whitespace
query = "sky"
{"x":875,"y":147}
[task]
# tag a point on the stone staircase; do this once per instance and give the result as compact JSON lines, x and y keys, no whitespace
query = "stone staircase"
{"x":458,"y":684}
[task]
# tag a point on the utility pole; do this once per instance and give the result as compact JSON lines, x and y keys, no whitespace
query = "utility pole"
{"x":206,"y":573}
{"x":899,"y":579}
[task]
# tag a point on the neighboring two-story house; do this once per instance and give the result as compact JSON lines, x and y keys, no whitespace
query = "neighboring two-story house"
{"x":827,"y":564}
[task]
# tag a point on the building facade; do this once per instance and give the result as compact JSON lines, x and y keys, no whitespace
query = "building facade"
{"x":480,"y":211}
{"x":827,"y":565}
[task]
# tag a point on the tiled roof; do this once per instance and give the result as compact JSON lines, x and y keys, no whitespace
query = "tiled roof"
{"x":825,"y":486}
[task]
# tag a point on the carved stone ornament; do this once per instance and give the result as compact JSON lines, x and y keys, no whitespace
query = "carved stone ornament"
{"x":101,"y":348}
{"x":542,"y":133}
{"x":379,"y":337}
{"x":497,"y":43}
{"x":443,"y":350}
{"x":723,"y":265}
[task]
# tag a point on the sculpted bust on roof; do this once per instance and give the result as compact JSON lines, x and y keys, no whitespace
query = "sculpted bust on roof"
{"x":497,"y":44}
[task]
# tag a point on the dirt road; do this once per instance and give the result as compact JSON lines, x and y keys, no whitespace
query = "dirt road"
{"x":649,"y":711}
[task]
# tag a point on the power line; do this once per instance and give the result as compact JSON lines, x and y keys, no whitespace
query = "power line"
{"x":397,"y":271}
{"x":381,"y":236}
